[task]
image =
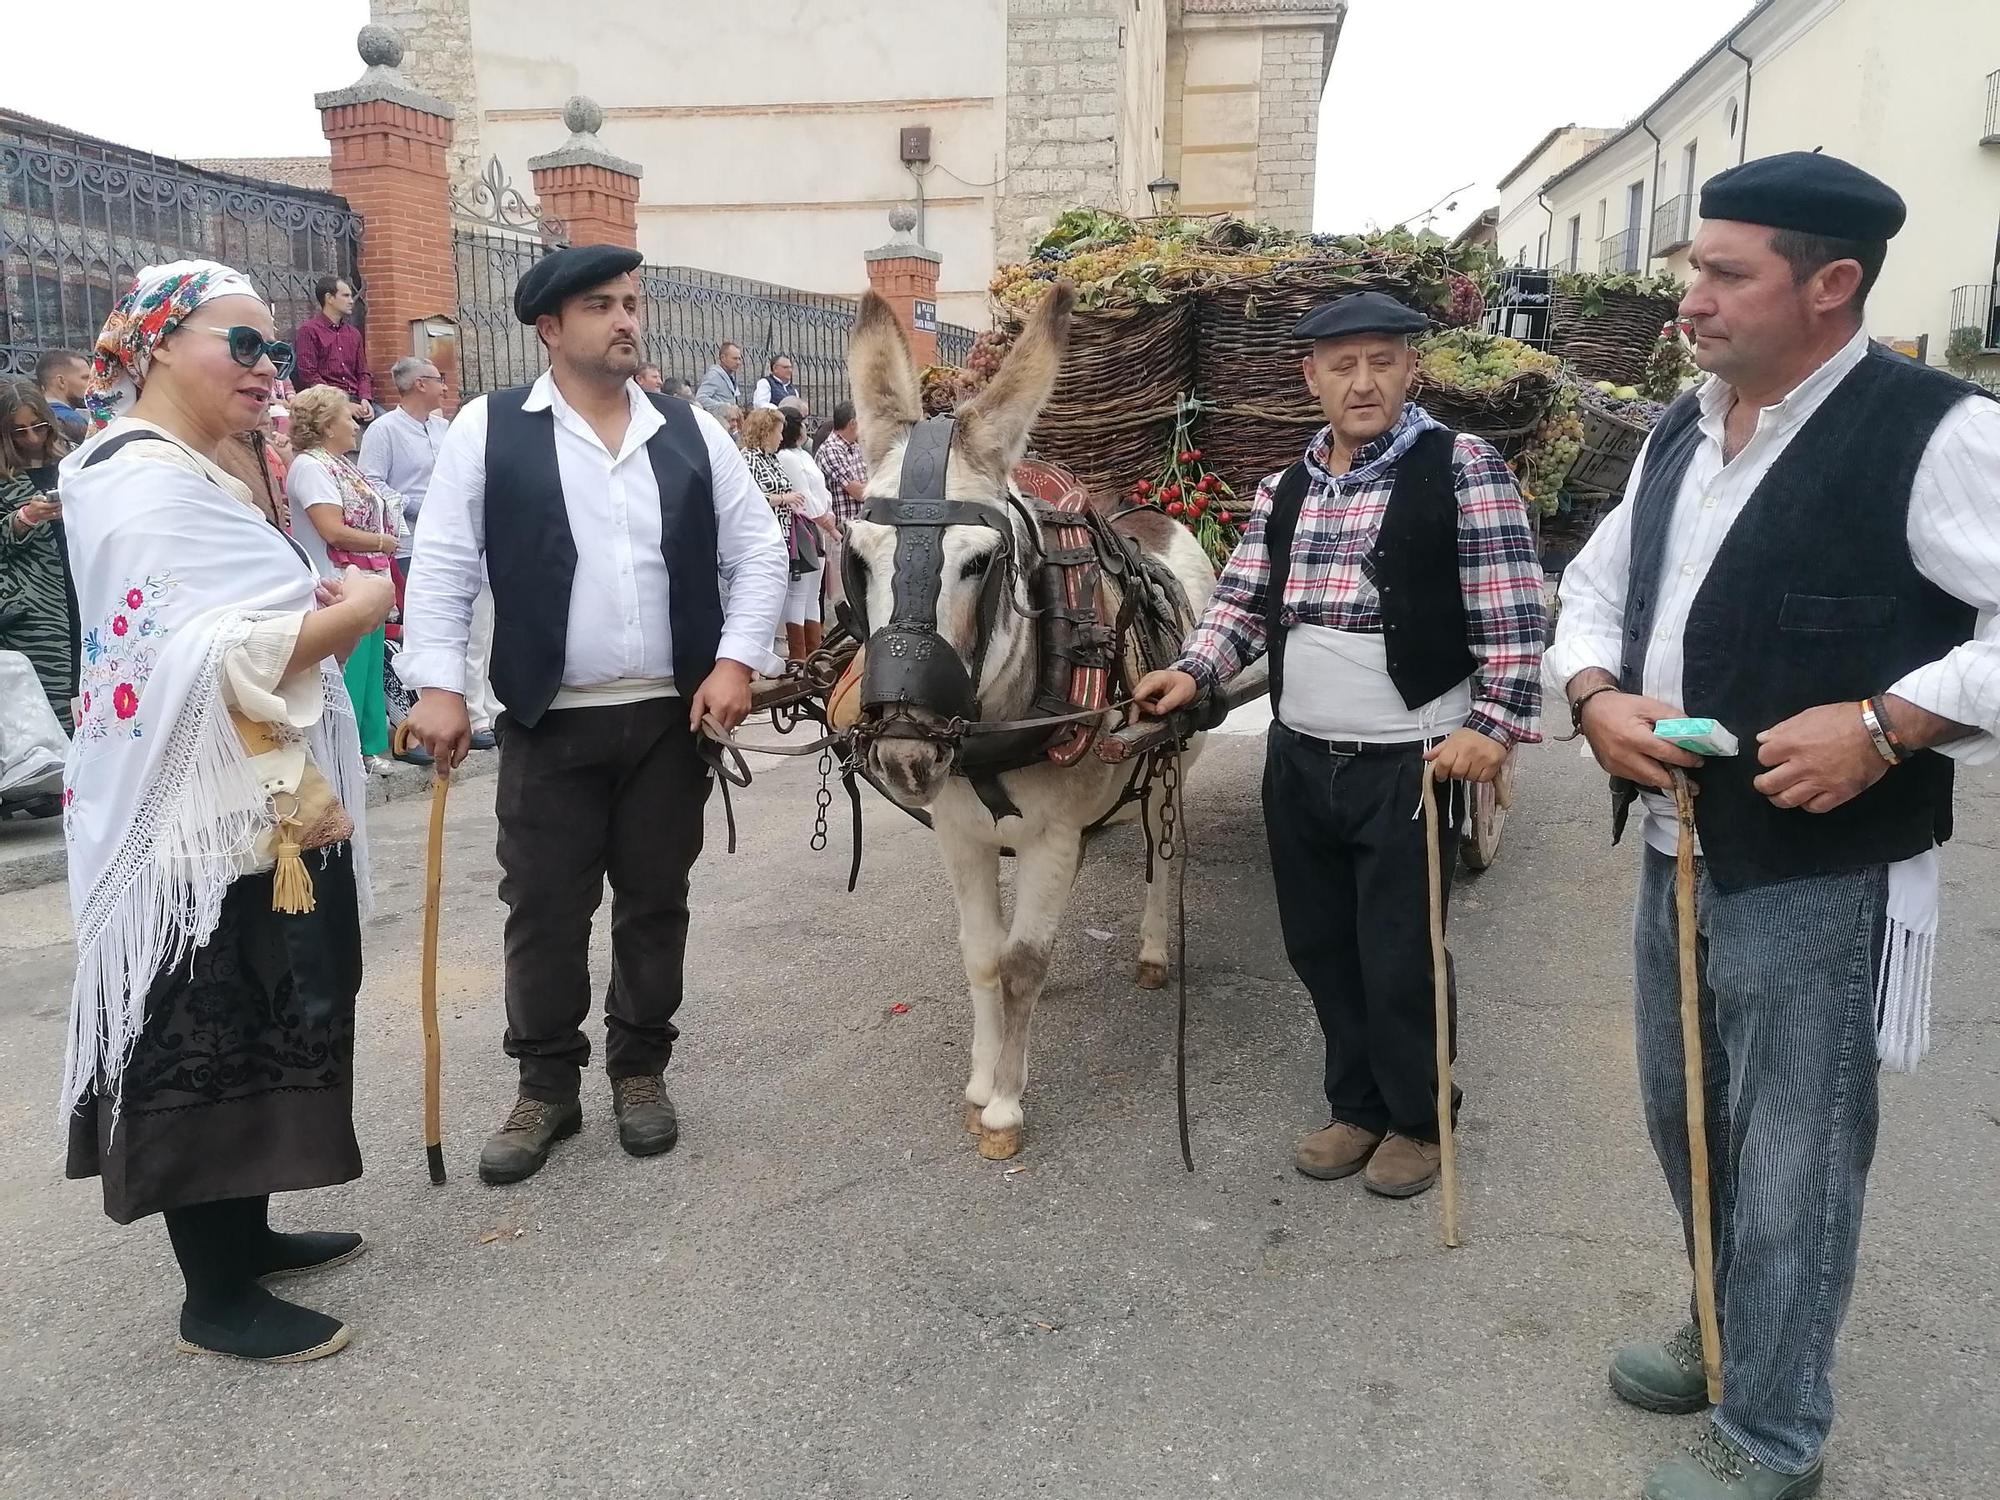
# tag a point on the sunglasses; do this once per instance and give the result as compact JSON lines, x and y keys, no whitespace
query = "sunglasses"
{"x":247,"y":346}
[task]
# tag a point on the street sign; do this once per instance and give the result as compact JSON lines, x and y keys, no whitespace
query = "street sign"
{"x":924,"y":316}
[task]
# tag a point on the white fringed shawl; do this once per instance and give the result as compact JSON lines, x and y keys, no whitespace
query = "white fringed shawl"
{"x":160,"y":805}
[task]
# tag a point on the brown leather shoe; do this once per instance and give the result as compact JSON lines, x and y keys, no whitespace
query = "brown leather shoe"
{"x":1338,"y":1151}
{"x":647,"y":1121}
{"x":1402,"y":1168}
{"x":521,"y":1144}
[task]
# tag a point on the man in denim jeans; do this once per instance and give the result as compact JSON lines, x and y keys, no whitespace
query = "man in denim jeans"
{"x":1804,"y":553}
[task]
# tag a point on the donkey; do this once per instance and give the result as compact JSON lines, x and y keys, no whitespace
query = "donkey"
{"x":982,"y":613}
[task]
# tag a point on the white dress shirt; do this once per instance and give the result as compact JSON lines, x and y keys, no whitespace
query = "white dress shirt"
{"x":1954,"y":536}
{"x":620,"y":644}
{"x":400,"y":453}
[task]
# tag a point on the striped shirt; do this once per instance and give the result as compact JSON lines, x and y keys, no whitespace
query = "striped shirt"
{"x":842,"y":464}
{"x":1330,"y":583}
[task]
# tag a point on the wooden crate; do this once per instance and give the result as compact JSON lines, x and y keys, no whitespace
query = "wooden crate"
{"x":1610,"y":447}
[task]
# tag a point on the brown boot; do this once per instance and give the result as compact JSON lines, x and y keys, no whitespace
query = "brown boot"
{"x":1338,"y":1151}
{"x":521,"y":1144}
{"x":1403,"y":1167}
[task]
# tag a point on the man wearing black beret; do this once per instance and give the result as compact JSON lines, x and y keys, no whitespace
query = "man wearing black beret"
{"x":1807,"y":549}
{"x":638,"y":579}
{"x":1391,"y":575}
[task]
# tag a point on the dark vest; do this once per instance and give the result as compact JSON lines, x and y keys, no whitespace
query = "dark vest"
{"x":1812,"y":599}
{"x":531,"y":555}
{"x":1414,"y":566}
{"x":781,"y":390}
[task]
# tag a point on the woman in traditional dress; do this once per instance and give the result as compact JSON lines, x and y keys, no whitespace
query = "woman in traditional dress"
{"x":345,"y":518}
{"x":803,"y":631}
{"x":212,"y":1020}
{"x":37,"y":609}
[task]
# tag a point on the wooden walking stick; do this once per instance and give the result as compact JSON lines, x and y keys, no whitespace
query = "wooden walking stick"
{"x":1441,"y":998}
{"x":1697,"y":1102}
{"x":433,"y":892}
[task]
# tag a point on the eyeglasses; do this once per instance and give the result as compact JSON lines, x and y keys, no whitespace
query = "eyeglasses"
{"x":31,"y":429}
{"x":247,"y":346}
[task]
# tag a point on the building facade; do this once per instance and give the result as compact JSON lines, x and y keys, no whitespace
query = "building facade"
{"x":1910,"y":92}
{"x":772,"y":137}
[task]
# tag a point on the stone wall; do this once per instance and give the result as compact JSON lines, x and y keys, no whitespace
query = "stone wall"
{"x":1064,"y":74}
{"x":1289,"y":89}
{"x":438,"y":58}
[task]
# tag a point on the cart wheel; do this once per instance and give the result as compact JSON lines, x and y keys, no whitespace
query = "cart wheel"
{"x":1489,"y":818}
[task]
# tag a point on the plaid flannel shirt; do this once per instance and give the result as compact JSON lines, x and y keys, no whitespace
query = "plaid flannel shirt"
{"x":842,"y":464}
{"x":1329,"y":586}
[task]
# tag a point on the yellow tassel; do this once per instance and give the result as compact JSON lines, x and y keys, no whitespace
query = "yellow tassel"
{"x":291,"y":886}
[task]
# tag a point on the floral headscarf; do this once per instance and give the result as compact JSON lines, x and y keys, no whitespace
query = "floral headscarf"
{"x":160,"y":298}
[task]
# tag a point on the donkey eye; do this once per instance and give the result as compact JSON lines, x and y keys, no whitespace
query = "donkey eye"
{"x":974,"y":566}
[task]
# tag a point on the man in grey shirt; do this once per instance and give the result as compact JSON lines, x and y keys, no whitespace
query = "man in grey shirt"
{"x":398,"y":450}
{"x":718,"y":389}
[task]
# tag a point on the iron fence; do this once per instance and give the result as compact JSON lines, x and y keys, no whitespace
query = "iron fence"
{"x":1673,"y":224}
{"x":79,"y":217}
{"x":1975,"y":321}
{"x":495,"y":349}
{"x":955,"y":344}
{"x":1619,"y":252}
{"x":690,"y":314}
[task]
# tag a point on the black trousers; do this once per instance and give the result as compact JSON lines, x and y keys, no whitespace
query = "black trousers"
{"x":590,"y":792}
{"x":1348,"y":859}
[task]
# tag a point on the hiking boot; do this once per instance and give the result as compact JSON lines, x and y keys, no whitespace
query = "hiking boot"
{"x":1714,"y":1468}
{"x":1338,"y":1151}
{"x":520,"y":1146}
{"x":263,"y":1329}
{"x":647,"y":1124}
{"x":1662,"y":1377}
{"x":1401,"y":1167}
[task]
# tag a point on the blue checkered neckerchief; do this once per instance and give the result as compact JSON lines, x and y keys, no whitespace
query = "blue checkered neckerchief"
{"x":1373,"y":458}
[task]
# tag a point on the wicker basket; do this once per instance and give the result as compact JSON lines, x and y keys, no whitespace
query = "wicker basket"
{"x":1112,"y":414}
{"x":1506,"y":418}
{"x":1615,"y":344}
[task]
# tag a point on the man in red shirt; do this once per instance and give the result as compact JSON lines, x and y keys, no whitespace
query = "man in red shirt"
{"x":328,"y":347}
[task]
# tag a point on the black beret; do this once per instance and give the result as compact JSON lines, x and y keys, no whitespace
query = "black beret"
{"x":1810,"y":193}
{"x":564,"y":273}
{"x":1360,"y":312}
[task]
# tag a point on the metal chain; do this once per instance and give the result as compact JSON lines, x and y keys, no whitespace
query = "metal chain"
{"x":823,"y":800}
{"x":1170,"y":780}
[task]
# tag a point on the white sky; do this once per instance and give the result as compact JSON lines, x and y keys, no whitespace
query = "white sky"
{"x":1425,"y":95}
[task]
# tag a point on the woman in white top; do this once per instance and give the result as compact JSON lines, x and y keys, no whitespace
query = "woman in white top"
{"x":803,"y":629}
{"x":210,"y":1058}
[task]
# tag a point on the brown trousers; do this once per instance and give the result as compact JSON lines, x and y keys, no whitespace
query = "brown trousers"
{"x":590,"y":792}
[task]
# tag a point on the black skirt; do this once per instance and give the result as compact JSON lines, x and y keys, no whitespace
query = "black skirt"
{"x":242,"y":1080}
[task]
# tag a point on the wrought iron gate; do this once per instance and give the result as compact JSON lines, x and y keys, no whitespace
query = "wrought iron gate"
{"x":496,"y":235}
{"x":80,"y":216}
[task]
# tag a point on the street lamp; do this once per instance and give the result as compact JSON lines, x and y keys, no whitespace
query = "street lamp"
{"x":1166,"y":195}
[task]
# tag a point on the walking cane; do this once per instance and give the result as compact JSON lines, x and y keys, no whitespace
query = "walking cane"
{"x":1697,"y":1103}
{"x":433,"y":890}
{"x":1441,"y":999}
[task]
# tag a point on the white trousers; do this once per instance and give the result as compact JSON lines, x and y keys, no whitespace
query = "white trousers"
{"x":480,"y":706}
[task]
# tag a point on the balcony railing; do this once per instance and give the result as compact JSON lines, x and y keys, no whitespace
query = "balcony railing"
{"x":1620,"y":252}
{"x":1673,"y":225}
{"x":1975,"y":321}
{"x":1992,"y":136}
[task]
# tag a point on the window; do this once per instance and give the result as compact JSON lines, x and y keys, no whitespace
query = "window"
{"x":1541,"y":249}
{"x":1573,"y":261}
{"x":1600,"y":218}
{"x":1635,"y":207}
{"x":1731,"y":115}
{"x":1687,"y":169}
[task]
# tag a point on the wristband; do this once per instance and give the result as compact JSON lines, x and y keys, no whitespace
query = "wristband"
{"x":1873,"y":724}
{"x":1577,"y":703}
{"x":1879,"y":707}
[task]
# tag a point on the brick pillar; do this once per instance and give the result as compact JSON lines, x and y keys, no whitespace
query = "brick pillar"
{"x":906,"y":273}
{"x":594,"y":193}
{"x":390,"y":144}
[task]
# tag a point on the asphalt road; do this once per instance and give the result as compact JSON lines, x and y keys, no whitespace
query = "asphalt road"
{"x":825,"y":1292}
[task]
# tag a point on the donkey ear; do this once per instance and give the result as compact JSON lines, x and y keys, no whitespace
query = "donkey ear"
{"x":993,"y":428}
{"x":884,"y":379}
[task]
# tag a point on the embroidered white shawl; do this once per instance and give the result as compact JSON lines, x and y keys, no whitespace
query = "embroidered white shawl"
{"x":171,"y":572}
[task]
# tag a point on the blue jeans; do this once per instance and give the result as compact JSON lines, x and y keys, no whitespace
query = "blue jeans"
{"x":1788,"y":1037}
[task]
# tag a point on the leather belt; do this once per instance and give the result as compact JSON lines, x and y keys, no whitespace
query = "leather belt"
{"x":1351,"y":748}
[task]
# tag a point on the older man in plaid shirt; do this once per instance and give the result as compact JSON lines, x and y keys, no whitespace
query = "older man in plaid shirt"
{"x":1392,"y":576}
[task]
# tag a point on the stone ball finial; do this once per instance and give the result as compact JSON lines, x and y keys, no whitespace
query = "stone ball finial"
{"x":583,"y":115}
{"x":379,"y":46}
{"x":902,"y":218}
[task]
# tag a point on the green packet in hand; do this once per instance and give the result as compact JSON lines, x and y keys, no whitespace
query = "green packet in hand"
{"x":1702,"y":736}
